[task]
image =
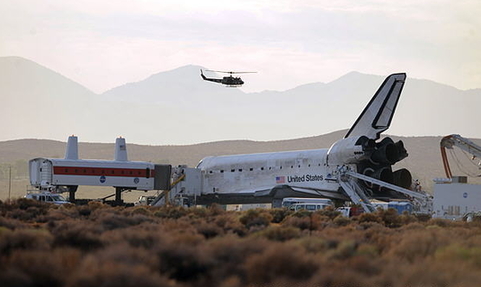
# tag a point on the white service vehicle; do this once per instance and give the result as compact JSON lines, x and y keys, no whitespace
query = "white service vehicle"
{"x":47,"y":197}
{"x":289,"y":201}
{"x":66,"y":174}
{"x":309,"y":206}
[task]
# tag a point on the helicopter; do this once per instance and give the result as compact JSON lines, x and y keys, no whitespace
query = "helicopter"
{"x":229,"y":81}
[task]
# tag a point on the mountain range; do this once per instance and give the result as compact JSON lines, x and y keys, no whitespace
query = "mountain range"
{"x":177,"y":107}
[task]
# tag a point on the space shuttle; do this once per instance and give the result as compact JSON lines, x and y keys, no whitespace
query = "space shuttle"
{"x":356,"y":168}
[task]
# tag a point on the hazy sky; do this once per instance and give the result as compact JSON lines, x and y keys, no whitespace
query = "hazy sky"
{"x":103,"y":44}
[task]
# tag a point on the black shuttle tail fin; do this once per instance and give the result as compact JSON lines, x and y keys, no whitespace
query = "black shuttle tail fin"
{"x":377,"y":116}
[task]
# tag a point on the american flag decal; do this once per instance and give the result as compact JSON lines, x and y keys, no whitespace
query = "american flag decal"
{"x":280,"y":179}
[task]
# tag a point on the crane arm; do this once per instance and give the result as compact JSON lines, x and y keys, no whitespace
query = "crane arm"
{"x":448,"y":142}
{"x":447,"y":169}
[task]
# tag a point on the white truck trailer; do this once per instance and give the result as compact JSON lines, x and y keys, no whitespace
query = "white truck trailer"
{"x":60,"y":175}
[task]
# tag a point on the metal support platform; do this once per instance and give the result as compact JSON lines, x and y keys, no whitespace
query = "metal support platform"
{"x":356,"y":194}
{"x":385,"y":184}
{"x":348,"y":180}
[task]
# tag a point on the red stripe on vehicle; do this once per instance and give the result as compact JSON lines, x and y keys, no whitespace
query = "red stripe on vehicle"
{"x":99,"y":171}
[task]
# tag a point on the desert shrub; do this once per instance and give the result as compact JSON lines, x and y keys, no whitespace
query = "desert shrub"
{"x":280,"y":233}
{"x":230,"y":223}
{"x":215,"y":209}
{"x":430,"y":273}
{"x":11,"y":223}
{"x":24,"y":209}
{"x":36,"y":266}
{"x":389,"y":217}
{"x":340,"y":276}
{"x":139,"y":210}
{"x":329,"y":212}
{"x":94,"y":205}
{"x":423,"y":217}
{"x":345,"y":249}
{"x":97,"y":210}
{"x":231,"y":281}
{"x":94,"y":209}
{"x":125,"y":254}
{"x":173,"y":212}
{"x":209,"y":230}
{"x":111,"y":221}
{"x":279,"y":214}
{"x":201,"y":247}
{"x":414,"y":226}
{"x":21,"y":239}
{"x":57,"y":214}
{"x":280,"y":261}
{"x":184,"y":263}
{"x":39,"y":267}
{"x":306,"y":220}
{"x":256,"y":218}
{"x":28,"y":214}
{"x":77,"y":234}
{"x":441,"y":222}
{"x":381,"y":237}
{"x":199,"y":212}
{"x":25,"y":203}
{"x":111,"y":273}
{"x":302,"y":213}
{"x":341,"y":221}
{"x":369,"y":217}
{"x":303,"y":223}
{"x":229,"y":254}
{"x":456,"y":254}
{"x":144,"y":236}
{"x":314,"y":244}
{"x":413,"y":246}
{"x":12,"y":277}
{"x":406,"y":218}
{"x":367,"y":250}
{"x":180,"y":231}
{"x":84,"y":210}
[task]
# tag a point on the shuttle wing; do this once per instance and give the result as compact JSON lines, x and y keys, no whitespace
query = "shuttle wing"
{"x":287,"y":190}
{"x":378,"y":114}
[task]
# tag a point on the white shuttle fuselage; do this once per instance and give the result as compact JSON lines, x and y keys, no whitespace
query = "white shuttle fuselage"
{"x":250,"y":173}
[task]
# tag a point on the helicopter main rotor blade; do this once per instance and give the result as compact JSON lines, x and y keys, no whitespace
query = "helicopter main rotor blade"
{"x":230,"y":72}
